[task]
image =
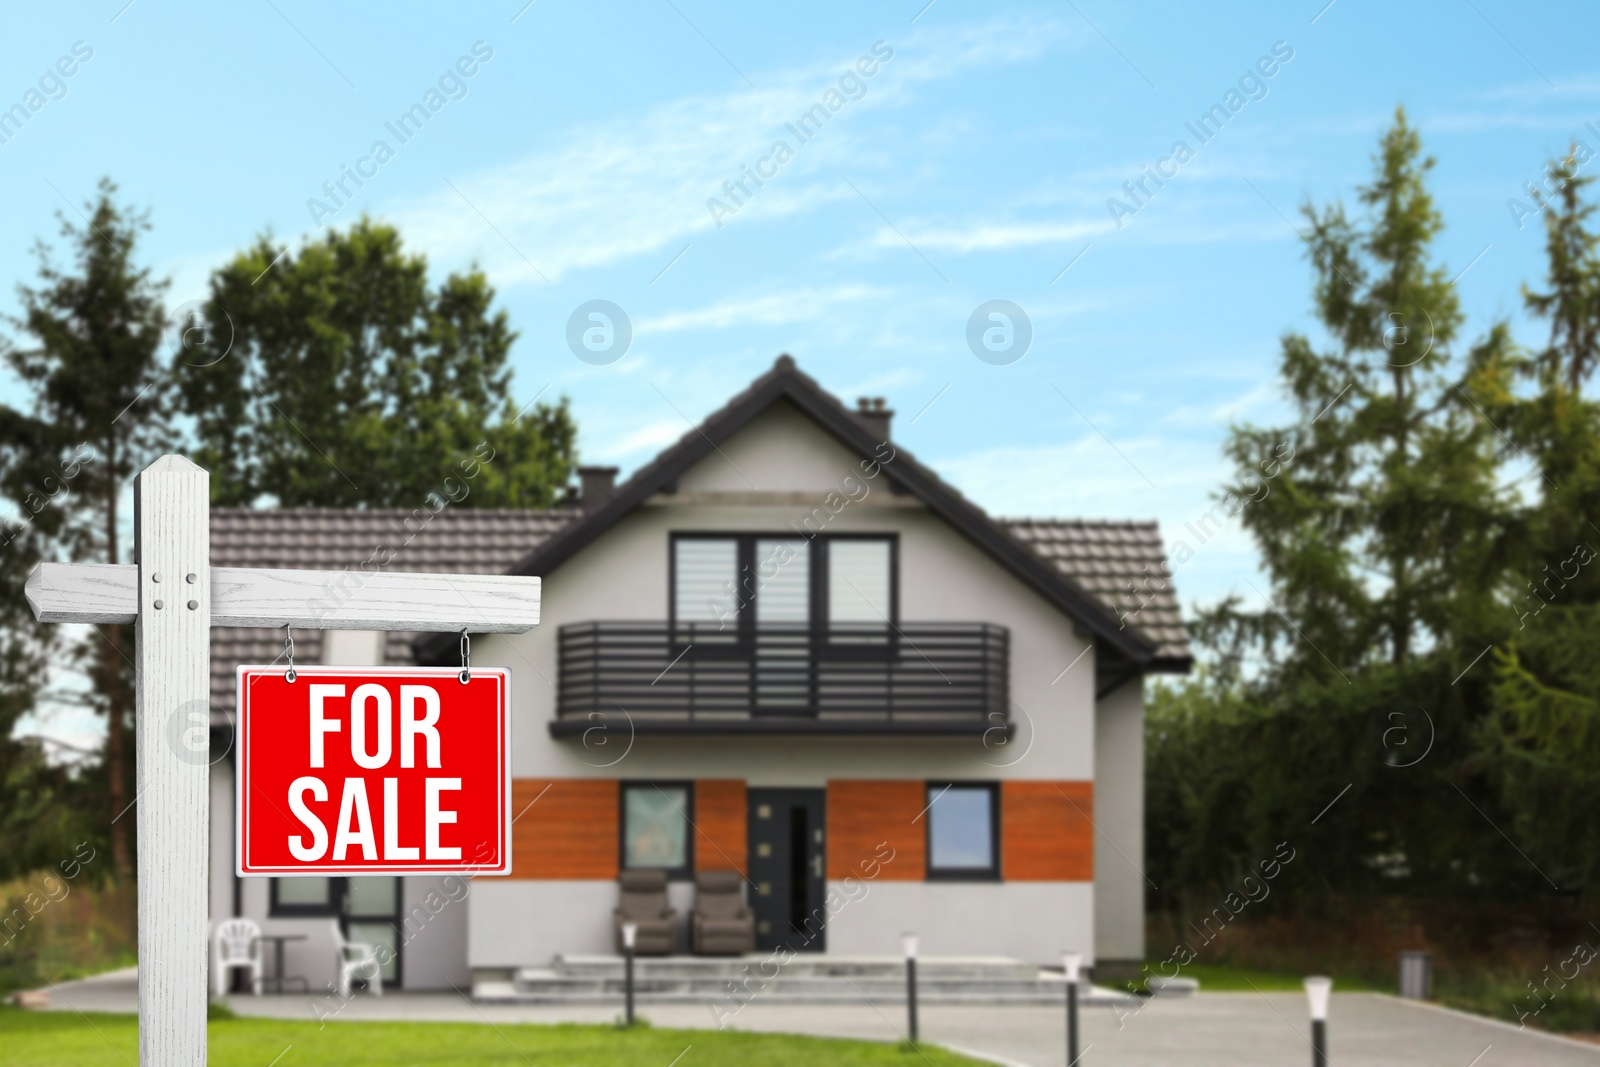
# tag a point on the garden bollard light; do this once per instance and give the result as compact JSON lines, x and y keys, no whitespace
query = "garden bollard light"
{"x":1072,"y":964}
{"x":1317,"y":992}
{"x":911,"y":983}
{"x":629,"y":932}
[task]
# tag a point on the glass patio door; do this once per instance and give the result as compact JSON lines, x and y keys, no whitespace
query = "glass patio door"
{"x":372,"y":915}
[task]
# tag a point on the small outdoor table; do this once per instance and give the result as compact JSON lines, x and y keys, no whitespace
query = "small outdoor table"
{"x":277,"y":978}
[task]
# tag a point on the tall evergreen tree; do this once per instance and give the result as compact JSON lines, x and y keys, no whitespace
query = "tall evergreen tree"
{"x":1378,"y":517}
{"x":98,"y":415}
{"x":1543,"y":740}
{"x":352,"y":382}
{"x":1376,"y":529}
{"x":41,"y":811}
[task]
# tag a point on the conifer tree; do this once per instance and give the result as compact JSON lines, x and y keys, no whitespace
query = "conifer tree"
{"x":98,"y":415}
{"x":1543,"y":739}
{"x":1380,"y":523}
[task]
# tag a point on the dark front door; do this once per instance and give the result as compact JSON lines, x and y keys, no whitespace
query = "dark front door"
{"x":786,"y":865}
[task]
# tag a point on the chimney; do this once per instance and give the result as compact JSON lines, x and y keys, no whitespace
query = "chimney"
{"x":874,"y":416}
{"x":598,"y":484}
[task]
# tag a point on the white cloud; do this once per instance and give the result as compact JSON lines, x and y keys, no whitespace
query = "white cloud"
{"x":878,"y":384}
{"x":1538,"y":91}
{"x":775,"y":309}
{"x":1480,"y":121}
{"x":989,"y":236}
{"x":1262,"y":403}
{"x":654,"y":437}
{"x":639,"y":185}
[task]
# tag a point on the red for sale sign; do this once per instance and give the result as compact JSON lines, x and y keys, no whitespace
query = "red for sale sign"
{"x":374,"y":771}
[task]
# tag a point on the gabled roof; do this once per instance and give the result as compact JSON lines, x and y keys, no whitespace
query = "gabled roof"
{"x":785,"y":382}
{"x":1084,"y":566}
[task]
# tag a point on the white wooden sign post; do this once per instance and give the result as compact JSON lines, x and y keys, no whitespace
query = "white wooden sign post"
{"x":173,"y":597}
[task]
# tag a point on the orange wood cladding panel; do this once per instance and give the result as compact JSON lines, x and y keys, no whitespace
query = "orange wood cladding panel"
{"x":864,"y":814}
{"x":1046,"y":832}
{"x":721,"y":838}
{"x":569,"y":832}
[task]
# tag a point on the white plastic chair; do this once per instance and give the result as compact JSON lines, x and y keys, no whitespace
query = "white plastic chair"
{"x":356,"y":959}
{"x":237,"y":945}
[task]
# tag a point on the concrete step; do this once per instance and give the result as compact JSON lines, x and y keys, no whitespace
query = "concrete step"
{"x":800,"y":964}
{"x":783,"y":985}
{"x":818,"y":979}
{"x":502,"y":992}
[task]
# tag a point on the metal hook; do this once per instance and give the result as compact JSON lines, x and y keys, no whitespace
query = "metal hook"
{"x":288,"y":650}
{"x":466,"y":657}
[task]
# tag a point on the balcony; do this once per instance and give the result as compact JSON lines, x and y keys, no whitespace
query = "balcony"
{"x":914,"y":678}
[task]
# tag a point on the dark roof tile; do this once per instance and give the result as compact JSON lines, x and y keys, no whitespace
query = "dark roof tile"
{"x":452,"y":541}
{"x":1122,"y":563}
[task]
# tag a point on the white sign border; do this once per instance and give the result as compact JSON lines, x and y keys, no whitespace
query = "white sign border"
{"x":325,"y":670}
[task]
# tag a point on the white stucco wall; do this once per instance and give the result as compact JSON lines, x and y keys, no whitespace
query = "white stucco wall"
{"x":434,"y":932}
{"x":220,"y":872}
{"x":517,"y":922}
{"x":1023,"y":920}
{"x":1119,"y":815}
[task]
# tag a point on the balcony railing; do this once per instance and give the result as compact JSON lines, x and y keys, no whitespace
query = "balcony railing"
{"x":699,"y":677}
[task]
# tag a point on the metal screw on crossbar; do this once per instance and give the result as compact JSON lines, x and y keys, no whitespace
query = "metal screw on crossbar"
{"x":288,"y":650}
{"x":466,"y":658}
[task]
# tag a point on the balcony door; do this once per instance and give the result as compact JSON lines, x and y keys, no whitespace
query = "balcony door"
{"x":781,"y":642}
{"x":783,"y":603}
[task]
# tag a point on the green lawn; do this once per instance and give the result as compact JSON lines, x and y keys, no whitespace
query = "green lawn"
{"x":1223,"y":979}
{"x":64,"y":1039}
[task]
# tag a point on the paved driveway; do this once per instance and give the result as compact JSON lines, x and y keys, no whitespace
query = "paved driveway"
{"x":1208,"y":1030}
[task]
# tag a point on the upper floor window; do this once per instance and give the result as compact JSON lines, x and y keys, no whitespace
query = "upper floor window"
{"x":860,"y":590}
{"x":725,"y":585}
{"x":705,"y":581}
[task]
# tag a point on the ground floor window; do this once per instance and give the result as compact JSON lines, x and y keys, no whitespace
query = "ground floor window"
{"x":655,"y":826}
{"x":304,"y":897}
{"x":963,"y":830}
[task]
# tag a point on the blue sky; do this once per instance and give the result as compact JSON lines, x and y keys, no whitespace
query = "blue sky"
{"x":975,"y":165}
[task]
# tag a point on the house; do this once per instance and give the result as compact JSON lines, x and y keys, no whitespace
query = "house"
{"x":784,"y":647}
